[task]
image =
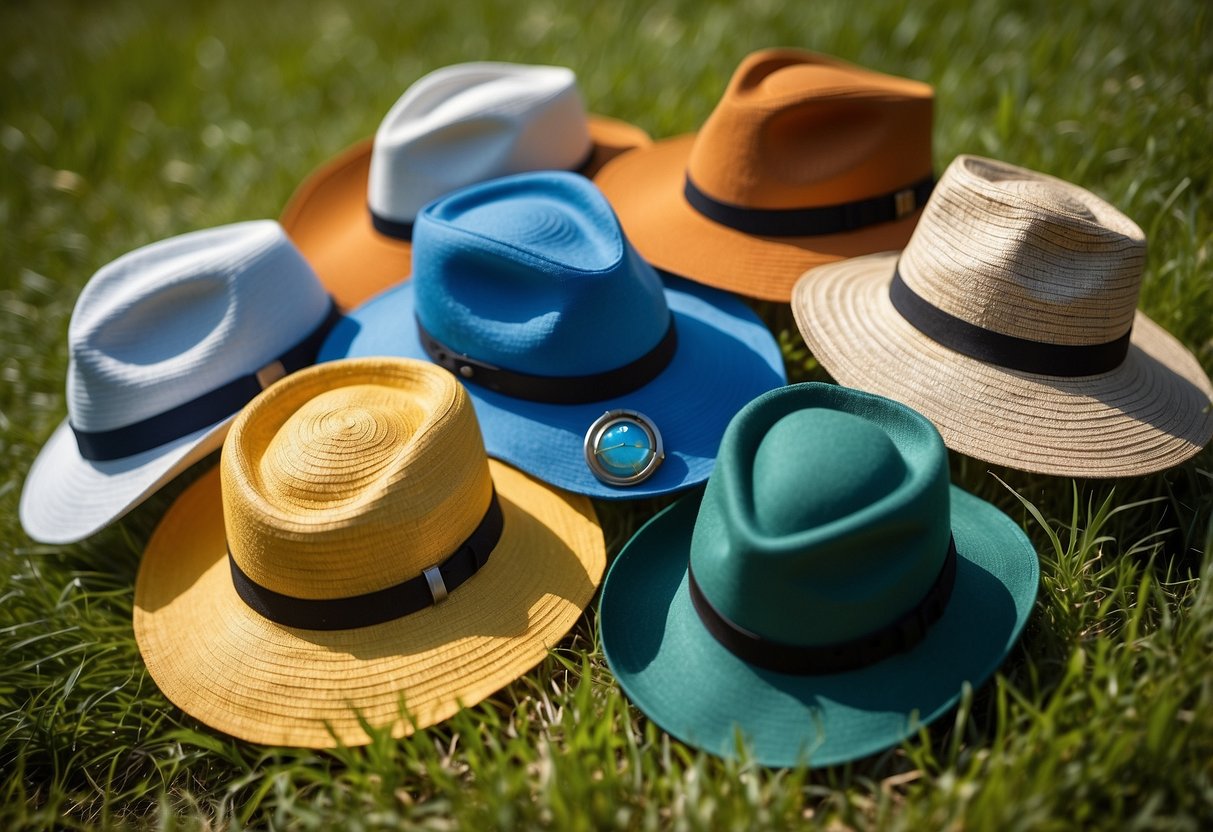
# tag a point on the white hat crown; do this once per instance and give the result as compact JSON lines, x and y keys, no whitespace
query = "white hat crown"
{"x":1025,"y":254}
{"x":169,"y":322}
{"x":470,"y":122}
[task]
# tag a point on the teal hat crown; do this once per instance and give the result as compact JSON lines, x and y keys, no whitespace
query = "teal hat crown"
{"x":827,"y":517}
{"x":533,"y":273}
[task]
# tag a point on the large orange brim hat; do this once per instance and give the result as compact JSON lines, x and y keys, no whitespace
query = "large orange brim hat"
{"x":794,"y":132}
{"x":328,"y":219}
{"x":330,"y":484}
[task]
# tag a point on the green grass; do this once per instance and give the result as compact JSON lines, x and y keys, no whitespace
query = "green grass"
{"x":124,"y":123}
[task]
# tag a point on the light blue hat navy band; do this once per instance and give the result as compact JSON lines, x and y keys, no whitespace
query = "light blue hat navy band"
{"x":203,"y":410}
{"x":529,"y":279}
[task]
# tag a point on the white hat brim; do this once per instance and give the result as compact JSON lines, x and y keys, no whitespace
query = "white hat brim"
{"x":1148,"y":414}
{"x":67,"y":498}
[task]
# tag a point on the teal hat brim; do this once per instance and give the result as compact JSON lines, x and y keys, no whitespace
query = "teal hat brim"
{"x":725,"y":357}
{"x":676,"y":672}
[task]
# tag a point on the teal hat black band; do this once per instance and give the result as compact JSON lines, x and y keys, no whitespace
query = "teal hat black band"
{"x":840,"y":657}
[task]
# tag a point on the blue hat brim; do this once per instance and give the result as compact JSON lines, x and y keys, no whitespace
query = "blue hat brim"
{"x":676,"y":672}
{"x":725,"y":357}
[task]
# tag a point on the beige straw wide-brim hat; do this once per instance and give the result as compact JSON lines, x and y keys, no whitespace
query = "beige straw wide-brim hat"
{"x":346,"y":479}
{"x":1035,"y":258}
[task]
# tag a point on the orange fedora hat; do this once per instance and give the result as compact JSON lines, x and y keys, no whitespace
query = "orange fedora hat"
{"x":805,"y":160}
{"x":457,"y":126}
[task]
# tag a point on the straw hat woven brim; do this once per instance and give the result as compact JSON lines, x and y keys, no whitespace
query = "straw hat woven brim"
{"x":328,"y":219}
{"x":240,"y":673}
{"x":1150,"y":413}
{"x":68,"y":498}
{"x":645,"y":187}
{"x":688,"y":683}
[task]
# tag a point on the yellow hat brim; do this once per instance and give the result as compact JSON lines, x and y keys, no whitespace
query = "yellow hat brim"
{"x":242,"y":674}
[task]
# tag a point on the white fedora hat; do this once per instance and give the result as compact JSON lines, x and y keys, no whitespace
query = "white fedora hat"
{"x":166,"y":344}
{"x":454,"y":127}
{"x":1011,"y":321}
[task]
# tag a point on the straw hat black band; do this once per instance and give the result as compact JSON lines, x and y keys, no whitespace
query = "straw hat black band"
{"x":894,"y":638}
{"x":1007,"y":351}
{"x":368,"y":609}
{"x":823,"y":219}
{"x":205,"y":410}
{"x":554,"y":389}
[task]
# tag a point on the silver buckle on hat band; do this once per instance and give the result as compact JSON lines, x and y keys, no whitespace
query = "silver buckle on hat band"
{"x":433,"y":577}
{"x":270,"y":373}
{"x":904,"y":202}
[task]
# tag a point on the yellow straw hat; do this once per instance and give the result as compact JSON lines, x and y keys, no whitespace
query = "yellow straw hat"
{"x":356,"y":554}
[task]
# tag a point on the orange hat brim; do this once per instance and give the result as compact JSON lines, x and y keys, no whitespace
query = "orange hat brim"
{"x":645,"y":188}
{"x":328,"y":219}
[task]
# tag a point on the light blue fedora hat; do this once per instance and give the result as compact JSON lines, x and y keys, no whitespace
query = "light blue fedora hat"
{"x":585,"y":370}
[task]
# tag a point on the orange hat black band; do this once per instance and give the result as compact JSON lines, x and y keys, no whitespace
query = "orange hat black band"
{"x":822,"y":219}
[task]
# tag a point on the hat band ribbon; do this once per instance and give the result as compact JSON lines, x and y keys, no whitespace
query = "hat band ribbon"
{"x":201,"y":411}
{"x":403,"y":229}
{"x":805,"y":222}
{"x":897,"y":637}
{"x":1023,"y":354}
{"x":371,"y":608}
{"x":554,"y":389}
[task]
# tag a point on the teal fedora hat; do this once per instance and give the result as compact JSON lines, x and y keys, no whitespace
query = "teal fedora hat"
{"x":828,"y":594}
{"x":585,"y":370}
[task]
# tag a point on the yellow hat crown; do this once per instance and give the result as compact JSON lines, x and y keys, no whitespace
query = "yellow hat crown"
{"x":351,"y":477}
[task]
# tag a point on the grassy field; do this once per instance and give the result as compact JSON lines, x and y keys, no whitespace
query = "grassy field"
{"x":124,"y":123}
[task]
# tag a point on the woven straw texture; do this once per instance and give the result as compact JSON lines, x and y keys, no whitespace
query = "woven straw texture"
{"x":793,"y":130}
{"x":1027,"y":255}
{"x":346,"y":479}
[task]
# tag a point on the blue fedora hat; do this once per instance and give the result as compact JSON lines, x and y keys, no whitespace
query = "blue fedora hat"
{"x":585,"y":370}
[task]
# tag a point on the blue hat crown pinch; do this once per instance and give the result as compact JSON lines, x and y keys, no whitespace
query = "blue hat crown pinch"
{"x":533,"y":272}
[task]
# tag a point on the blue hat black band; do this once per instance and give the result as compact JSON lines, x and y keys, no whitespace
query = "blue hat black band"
{"x":201,"y":411}
{"x":840,"y":657}
{"x":554,"y":389}
{"x":427,"y":589}
{"x":1070,"y":360}
{"x":806,"y":222}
